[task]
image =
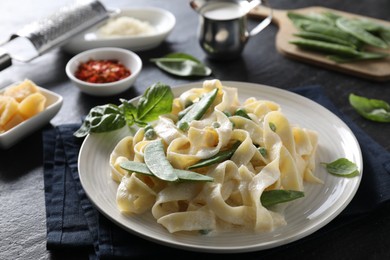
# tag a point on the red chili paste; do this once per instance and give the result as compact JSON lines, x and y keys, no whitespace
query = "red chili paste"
{"x":102,"y":71}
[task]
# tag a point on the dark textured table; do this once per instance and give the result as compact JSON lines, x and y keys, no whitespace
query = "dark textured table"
{"x":22,"y":208}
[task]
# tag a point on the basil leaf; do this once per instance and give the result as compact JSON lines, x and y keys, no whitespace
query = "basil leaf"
{"x":371,"y":109}
{"x":156,"y":100}
{"x":100,"y":119}
{"x":342,"y":167}
{"x":129,"y":111}
{"x":272,"y":197}
{"x":182,"y":64}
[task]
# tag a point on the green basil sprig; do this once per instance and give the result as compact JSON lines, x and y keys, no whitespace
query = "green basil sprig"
{"x":182,"y":64}
{"x":157,"y":100}
{"x":372,"y":109}
{"x":342,"y":167}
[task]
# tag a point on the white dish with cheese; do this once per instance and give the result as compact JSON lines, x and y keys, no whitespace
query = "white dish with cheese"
{"x":135,"y":29}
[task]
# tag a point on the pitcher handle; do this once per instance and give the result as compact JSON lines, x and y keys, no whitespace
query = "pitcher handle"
{"x":263,"y":24}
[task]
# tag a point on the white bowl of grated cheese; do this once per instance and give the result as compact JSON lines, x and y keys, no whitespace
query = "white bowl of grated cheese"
{"x":135,"y":29}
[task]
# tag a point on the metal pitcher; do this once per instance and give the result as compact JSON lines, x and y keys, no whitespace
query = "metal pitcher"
{"x":222,"y":30}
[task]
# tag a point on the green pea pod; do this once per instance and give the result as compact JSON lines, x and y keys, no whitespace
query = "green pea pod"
{"x":183,"y":175}
{"x":184,"y":111}
{"x":312,"y":17}
{"x":157,"y":163}
{"x":273,"y":197}
{"x":241,"y":112}
{"x":197,"y":110}
{"x":331,"y":15}
{"x":332,"y":31}
{"x":361,"y":56}
{"x":219,"y":157}
{"x":352,"y":28}
{"x":366,"y":24}
{"x":384,"y":33}
{"x":323,"y":37}
{"x":326,"y":47}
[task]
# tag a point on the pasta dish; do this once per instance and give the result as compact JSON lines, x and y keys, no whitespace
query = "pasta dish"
{"x":242,"y":149}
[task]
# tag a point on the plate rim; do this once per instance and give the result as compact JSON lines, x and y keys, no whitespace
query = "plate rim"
{"x":231,"y":249}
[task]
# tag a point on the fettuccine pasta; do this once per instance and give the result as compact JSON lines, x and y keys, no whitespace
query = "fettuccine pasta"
{"x":232,"y":200}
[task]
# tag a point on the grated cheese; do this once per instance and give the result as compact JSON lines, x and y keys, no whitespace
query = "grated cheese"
{"x":126,"y":26}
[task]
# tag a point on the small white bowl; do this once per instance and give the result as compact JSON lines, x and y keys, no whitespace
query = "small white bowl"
{"x":162,"y":20}
{"x":128,"y":58}
{"x":18,"y":132}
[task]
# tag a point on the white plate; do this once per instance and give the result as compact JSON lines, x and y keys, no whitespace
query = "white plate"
{"x":321,"y":203}
{"x":18,"y":132}
{"x":162,"y":20}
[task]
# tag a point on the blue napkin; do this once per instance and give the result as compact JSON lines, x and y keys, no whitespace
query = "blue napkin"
{"x":74,"y":223}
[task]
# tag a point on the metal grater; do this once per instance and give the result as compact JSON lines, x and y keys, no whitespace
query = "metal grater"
{"x":56,"y":29}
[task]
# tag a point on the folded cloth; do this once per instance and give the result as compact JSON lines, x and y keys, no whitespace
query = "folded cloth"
{"x":73,"y":222}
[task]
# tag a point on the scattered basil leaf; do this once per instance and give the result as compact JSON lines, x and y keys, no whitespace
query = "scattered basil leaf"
{"x":342,"y":167}
{"x":272,"y":197}
{"x":100,"y":119}
{"x":156,"y":100}
{"x":182,"y":64}
{"x":371,"y":109}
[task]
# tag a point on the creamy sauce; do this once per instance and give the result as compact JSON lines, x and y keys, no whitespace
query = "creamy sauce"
{"x":223,"y":11}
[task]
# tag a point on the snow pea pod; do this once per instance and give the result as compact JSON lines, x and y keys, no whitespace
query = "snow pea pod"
{"x":332,"y":31}
{"x":360,"y":57}
{"x":185,"y":111}
{"x":326,"y":47}
{"x":360,"y":33}
{"x":157,"y":163}
{"x":241,"y":112}
{"x":183,"y":175}
{"x":323,"y":37}
{"x":197,"y":110}
{"x":384,"y":33}
{"x":219,"y":157}
{"x":312,"y":18}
